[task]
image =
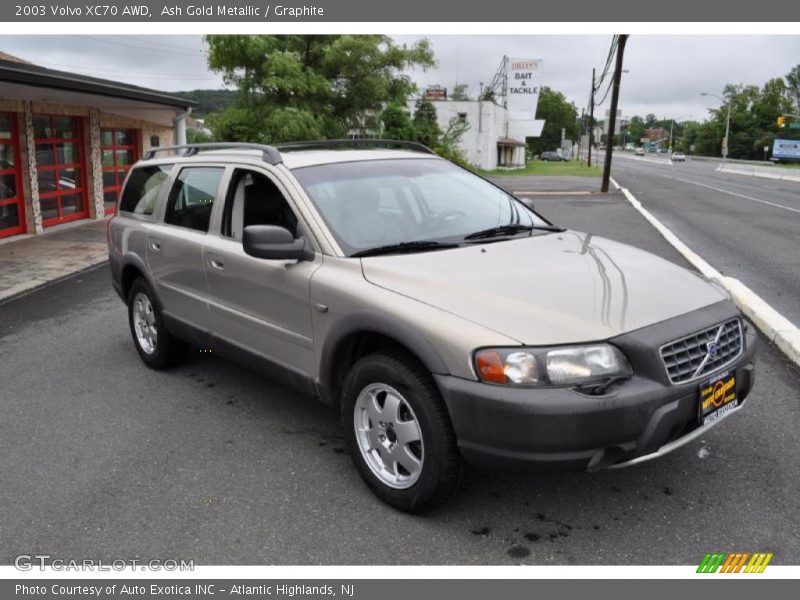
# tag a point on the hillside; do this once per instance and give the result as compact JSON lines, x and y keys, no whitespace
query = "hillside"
{"x":209,"y":101}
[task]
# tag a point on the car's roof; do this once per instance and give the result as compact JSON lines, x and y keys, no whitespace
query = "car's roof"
{"x":297,"y":159}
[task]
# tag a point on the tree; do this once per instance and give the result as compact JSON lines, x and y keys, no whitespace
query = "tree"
{"x":793,"y":86}
{"x":294,"y":87}
{"x":397,"y":123}
{"x":448,"y":145}
{"x":558,"y":114}
{"x":426,"y":129}
{"x":460,"y":92}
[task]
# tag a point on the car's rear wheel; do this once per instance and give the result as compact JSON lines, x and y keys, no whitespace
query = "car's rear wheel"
{"x":156,"y":346}
{"x":399,"y":433}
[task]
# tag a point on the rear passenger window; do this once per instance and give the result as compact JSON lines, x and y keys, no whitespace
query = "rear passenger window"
{"x":141,"y":191}
{"x":192,"y":197}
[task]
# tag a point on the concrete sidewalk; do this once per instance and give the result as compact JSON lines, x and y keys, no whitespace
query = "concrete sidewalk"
{"x":30,"y":262}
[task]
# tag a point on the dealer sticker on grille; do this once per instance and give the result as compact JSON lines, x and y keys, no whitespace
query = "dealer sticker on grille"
{"x":717,"y":397}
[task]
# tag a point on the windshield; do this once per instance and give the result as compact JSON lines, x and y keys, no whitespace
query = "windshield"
{"x":375,"y":203}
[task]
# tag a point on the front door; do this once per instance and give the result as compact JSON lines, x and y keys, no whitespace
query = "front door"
{"x":259,"y":305}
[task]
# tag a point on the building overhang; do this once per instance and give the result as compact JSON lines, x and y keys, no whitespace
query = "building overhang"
{"x":22,"y":81}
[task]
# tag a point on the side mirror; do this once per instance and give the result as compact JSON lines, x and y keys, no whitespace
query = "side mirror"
{"x":274,"y":243}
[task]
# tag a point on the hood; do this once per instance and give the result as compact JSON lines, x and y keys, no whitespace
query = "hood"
{"x":548,"y":289}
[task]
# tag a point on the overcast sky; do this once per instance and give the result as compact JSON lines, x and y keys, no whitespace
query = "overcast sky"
{"x":666,"y":73}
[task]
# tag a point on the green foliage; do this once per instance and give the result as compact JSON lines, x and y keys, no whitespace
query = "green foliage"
{"x":397,"y":123}
{"x":449,"y":140}
{"x":196,"y":136}
{"x":426,"y":129}
{"x":559,"y":114}
{"x":459,"y":92}
{"x":753,"y":120}
{"x":293,"y":87}
{"x":793,"y":85}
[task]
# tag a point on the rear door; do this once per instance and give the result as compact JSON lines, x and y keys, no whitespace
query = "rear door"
{"x":175,"y":245}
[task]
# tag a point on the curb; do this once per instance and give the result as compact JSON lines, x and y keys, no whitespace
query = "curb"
{"x":777,"y":328}
{"x":764,"y":172}
{"x":42,"y":284}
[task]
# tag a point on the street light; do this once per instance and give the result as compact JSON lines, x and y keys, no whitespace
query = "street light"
{"x":727,"y":124}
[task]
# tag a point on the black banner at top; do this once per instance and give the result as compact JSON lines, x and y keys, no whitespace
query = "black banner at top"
{"x":407,"y":11}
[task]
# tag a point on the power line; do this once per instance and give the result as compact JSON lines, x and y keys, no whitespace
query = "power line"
{"x":125,"y":72}
{"x":138,"y":47}
{"x":148,"y":41}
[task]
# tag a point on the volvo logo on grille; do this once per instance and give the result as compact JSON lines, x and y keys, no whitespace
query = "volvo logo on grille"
{"x":711,"y":348}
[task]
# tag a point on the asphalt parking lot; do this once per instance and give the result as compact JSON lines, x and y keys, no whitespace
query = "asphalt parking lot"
{"x":104,"y":458}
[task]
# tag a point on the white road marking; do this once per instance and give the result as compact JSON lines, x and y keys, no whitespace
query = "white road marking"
{"x":780,"y":330}
{"x":711,"y":187}
{"x":553,"y":193}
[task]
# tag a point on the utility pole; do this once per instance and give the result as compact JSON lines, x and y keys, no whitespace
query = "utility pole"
{"x":591,"y":121}
{"x":612,"y":123}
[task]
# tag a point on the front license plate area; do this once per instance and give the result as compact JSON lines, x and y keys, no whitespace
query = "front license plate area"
{"x":717,"y":397}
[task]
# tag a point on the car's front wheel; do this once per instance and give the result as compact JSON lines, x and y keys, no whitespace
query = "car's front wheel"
{"x":399,"y":433}
{"x":156,"y":346}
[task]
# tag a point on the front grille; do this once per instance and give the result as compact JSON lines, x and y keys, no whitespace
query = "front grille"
{"x":691,"y":357}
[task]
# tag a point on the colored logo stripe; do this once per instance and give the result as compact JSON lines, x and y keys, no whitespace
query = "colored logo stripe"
{"x":734,"y":562}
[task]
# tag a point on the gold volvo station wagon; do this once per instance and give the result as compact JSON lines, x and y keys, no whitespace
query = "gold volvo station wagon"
{"x":442,"y":317}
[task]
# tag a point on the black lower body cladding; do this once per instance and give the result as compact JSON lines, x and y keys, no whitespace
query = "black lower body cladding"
{"x":564,"y":429}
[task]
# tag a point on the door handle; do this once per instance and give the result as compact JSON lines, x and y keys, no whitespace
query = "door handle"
{"x":215,"y":261}
{"x":155,"y":244}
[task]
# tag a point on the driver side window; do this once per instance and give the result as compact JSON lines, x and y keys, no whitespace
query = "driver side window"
{"x":254,"y":199}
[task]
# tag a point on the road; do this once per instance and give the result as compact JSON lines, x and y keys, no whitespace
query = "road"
{"x":103,"y":458}
{"x":745,"y":227}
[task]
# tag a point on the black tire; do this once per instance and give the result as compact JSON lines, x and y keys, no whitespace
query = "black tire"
{"x":169,"y":350}
{"x":442,"y":469}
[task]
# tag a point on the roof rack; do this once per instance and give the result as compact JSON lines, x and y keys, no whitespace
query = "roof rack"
{"x":270,"y":154}
{"x":374,"y":143}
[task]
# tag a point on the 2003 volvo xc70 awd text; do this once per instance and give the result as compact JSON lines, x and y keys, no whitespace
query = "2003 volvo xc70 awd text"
{"x":445,"y":319}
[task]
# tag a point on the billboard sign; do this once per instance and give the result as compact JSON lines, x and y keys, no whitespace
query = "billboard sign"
{"x":522,"y":81}
{"x":786,"y":150}
{"x":522,"y":87}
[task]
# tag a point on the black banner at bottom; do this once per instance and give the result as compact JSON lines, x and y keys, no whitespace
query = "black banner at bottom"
{"x":393,"y":589}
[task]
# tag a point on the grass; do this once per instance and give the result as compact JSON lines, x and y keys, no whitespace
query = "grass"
{"x":572,"y":168}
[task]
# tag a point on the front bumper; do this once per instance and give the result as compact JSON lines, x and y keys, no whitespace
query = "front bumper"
{"x":562,"y":428}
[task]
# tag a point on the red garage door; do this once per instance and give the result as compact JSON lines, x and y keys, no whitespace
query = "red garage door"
{"x":12,"y":209}
{"x":119,"y":152}
{"x":60,"y":168}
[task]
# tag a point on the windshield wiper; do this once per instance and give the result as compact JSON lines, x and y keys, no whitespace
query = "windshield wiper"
{"x":404,"y":247}
{"x":509,"y":229}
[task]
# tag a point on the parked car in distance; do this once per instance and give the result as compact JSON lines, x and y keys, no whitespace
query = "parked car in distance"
{"x":553,"y":156}
{"x":441,"y":317}
{"x":678,"y":157}
{"x":639,"y":152}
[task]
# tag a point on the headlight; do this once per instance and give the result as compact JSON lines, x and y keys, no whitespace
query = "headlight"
{"x":575,"y":365}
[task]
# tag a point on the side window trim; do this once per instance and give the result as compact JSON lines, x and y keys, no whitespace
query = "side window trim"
{"x":224,"y":214}
{"x":158,"y":208}
{"x":176,"y":172}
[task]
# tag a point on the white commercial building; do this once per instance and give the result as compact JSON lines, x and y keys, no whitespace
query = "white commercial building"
{"x":498,"y":129}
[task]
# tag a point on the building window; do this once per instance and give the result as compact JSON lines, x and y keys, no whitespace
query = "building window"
{"x":462,"y":117}
{"x":119,"y":151}
{"x":60,"y":168}
{"x":12,"y":210}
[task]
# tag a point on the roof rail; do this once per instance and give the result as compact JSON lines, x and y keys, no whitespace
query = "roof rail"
{"x":270,"y":154}
{"x":374,"y":143}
